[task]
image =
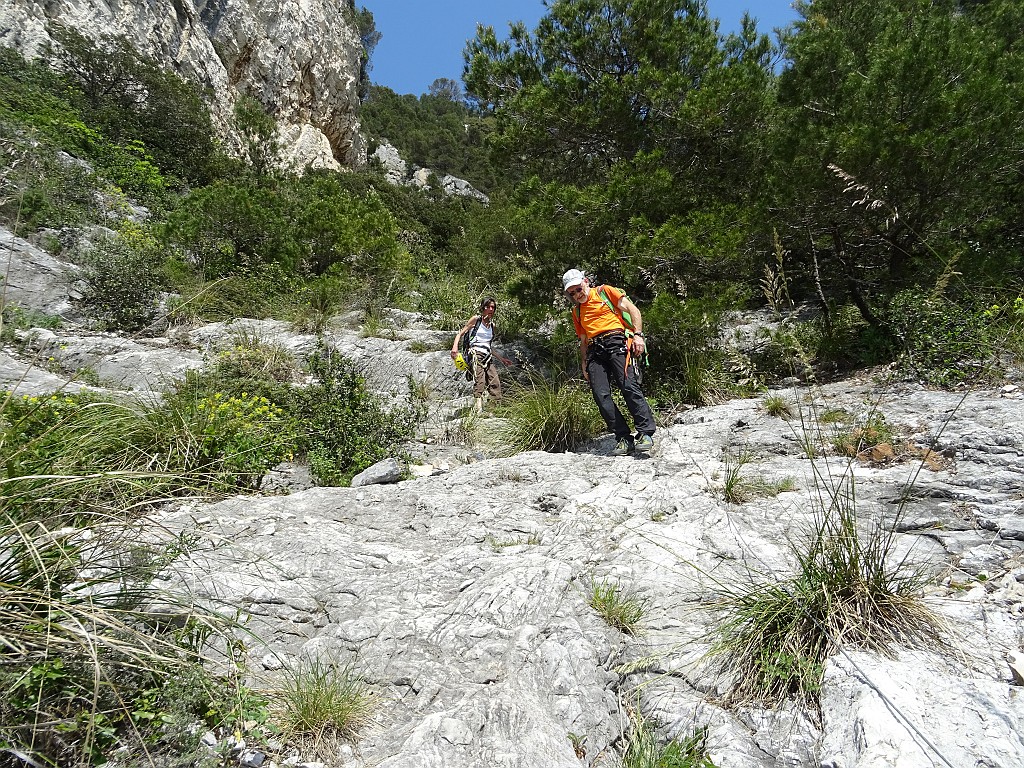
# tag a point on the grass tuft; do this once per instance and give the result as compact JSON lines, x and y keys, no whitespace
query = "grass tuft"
{"x":847,"y":591}
{"x":778,"y":406}
{"x":644,"y":751}
{"x":324,"y":703}
{"x":620,"y":610}
{"x":550,"y":417}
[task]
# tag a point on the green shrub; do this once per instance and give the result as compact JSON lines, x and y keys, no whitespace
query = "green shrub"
{"x":735,"y":488}
{"x":225,"y":442}
{"x":14,"y":318}
{"x":121,"y":279}
{"x":226,"y":229}
{"x":264,"y":291}
{"x":45,"y":190}
{"x":139,"y":451}
{"x":93,"y":652}
{"x":343,"y":428}
{"x":344,"y":233}
{"x":249,"y":366}
{"x":447,"y":301}
{"x":549,"y":416}
{"x":942,"y":342}
{"x":319,"y":301}
{"x":136,"y":105}
{"x":844,"y":341}
{"x":689,"y":363}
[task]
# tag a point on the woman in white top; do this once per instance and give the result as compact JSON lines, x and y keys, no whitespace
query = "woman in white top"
{"x":485,"y":372}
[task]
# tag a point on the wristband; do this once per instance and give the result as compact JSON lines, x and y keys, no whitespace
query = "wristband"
{"x":639,"y":334}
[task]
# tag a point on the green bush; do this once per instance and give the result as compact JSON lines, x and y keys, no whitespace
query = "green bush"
{"x":446,"y":300}
{"x":688,"y":363}
{"x":842,"y":342}
{"x":138,"y":451}
{"x":873,"y":430}
{"x":43,"y":189}
{"x":97,"y":661}
{"x":942,"y":342}
{"x":344,"y":233}
{"x":318,"y":301}
{"x":263,"y":291}
{"x":121,"y":279}
{"x":248,"y":367}
{"x":225,"y":442}
{"x":137,"y":106}
{"x":14,"y":318}
{"x":643,"y":749}
{"x":225,"y":228}
{"x":343,"y":429}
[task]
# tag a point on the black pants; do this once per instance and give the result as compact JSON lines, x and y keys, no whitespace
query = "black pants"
{"x":606,"y":363}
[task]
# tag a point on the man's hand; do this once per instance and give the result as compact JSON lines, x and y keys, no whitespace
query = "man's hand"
{"x":638,"y":345}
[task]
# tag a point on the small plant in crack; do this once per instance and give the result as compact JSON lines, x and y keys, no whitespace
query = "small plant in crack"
{"x":644,"y":750}
{"x":620,"y":609}
{"x":778,"y":406}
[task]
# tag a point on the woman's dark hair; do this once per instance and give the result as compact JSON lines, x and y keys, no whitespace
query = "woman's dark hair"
{"x":488,"y":300}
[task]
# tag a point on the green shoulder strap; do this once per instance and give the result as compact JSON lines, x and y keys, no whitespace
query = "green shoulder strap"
{"x":627,"y":321}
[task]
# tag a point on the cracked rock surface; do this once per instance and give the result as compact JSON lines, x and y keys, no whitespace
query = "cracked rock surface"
{"x":463,"y":596}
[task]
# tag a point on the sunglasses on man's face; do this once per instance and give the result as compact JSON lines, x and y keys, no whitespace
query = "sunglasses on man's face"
{"x":575,"y":290}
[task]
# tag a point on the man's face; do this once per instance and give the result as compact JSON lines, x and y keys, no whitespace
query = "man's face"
{"x":578,"y":293}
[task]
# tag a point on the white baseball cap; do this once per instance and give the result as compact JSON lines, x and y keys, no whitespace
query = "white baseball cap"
{"x":571,"y":278}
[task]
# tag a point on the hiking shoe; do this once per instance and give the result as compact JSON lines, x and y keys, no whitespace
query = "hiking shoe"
{"x":624,"y":447}
{"x":644,"y":444}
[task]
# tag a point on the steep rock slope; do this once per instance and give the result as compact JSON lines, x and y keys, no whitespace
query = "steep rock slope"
{"x":464,"y":597}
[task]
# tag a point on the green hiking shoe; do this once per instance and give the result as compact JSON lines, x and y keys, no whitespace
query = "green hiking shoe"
{"x":624,"y":447}
{"x":644,"y":444}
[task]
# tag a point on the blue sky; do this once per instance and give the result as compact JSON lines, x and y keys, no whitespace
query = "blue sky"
{"x":422,"y":41}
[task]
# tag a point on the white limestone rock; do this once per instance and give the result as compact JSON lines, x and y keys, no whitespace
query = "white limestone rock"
{"x":35,"y":280}
{"x":395,"y":169}
{"x":917,"y":712}
{"x":383,"y":472}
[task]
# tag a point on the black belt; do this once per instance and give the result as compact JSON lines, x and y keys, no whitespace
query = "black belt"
{"x":608,"y":334}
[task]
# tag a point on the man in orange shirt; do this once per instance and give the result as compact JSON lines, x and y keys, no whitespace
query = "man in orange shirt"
{"x":604,"y":357}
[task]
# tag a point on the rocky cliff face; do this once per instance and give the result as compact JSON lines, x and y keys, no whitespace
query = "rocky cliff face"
{"x":298,"y":58}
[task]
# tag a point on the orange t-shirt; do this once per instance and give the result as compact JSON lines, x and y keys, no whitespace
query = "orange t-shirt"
{"x":597,"y":317}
